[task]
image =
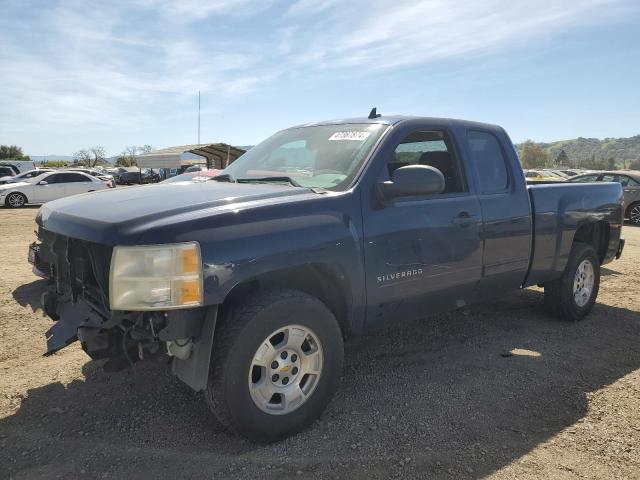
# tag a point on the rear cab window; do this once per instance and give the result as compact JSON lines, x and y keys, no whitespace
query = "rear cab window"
{"x":489,"y":161}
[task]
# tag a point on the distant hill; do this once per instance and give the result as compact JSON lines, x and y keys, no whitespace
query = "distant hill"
{"x":579,"y":151}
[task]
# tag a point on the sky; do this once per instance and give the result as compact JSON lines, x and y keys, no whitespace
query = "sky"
{"x":74,"y":74}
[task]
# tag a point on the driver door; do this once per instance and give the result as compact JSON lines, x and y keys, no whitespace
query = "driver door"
{"x":52,"y":190}
{"x":422,"y":254}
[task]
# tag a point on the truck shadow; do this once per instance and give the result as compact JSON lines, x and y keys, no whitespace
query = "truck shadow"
{"x":29,"y":207}
{"x":458,"y":395}
{"x":28,"y":294}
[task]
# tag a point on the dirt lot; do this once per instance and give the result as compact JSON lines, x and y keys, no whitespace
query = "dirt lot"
{"x":437,"y":398}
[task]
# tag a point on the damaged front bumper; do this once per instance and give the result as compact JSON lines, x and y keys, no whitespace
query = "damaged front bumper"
{"x":78,"y":304}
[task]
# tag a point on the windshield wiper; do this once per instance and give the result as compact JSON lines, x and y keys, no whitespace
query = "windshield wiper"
{"x":289,"y":180}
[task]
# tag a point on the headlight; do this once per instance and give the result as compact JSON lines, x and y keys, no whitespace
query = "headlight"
{"x":156,"y":277}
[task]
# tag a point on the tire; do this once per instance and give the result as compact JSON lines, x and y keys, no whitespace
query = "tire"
{"x":571,"y":297}
{"x":633,"y":213}
{"x":16,"y":200}
{"x":235,"y":392}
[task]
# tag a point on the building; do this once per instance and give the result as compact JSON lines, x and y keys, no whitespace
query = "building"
{"x":214,"y":155}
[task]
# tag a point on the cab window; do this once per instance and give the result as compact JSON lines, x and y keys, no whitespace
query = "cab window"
{"x":490,"y":162}
{"x":432,"y":148}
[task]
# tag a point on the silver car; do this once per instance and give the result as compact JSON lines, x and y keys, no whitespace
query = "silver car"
{"x":630,"y":181}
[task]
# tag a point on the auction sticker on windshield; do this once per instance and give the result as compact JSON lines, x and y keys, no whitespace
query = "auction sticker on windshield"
{"x":357,"y":136}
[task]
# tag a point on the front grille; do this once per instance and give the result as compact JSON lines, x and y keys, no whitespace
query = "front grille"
{"x":77,"y":267}
{"x":40,"y":264}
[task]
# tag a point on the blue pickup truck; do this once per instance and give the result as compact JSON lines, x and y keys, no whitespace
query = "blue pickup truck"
{"x":252,"y":280}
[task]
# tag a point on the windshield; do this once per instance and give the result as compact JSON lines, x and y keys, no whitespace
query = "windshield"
{"x":325,"y":156}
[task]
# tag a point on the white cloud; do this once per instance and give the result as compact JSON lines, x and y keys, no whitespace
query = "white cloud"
{"x":191,"y":10}
{"x":118,"y":64}
{"x":384,"y":34}
{"x":308,"y":7}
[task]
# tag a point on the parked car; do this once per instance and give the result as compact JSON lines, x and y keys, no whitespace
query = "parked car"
{"x":189,"y":168}
{"x":569,"y":173}
{"x":105,"y":177}
{"x":19,"y":166}
{"x":7,"y":171}
{"x":541,"y":176}
{"x":251,"y":281}
{"x":50,"y":186}
{"x":116,"y":172}
{"x":197,"y":176}
{"x":557,"y":173}
{"x":630,"y":181}
{"x":196,"y":168}
{"x":137,"y":176}
{"x":24,"y":176}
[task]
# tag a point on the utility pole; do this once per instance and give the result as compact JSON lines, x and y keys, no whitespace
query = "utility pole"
{"x":198,"y":117}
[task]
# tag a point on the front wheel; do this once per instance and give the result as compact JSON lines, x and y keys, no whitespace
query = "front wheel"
{"x":276,"y":364}
{"x":634,"y":214}
{"x":572,"y":296}
{"x":16,"y":200}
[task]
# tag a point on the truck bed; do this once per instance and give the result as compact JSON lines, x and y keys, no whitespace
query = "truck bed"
{"x":559,"y":211}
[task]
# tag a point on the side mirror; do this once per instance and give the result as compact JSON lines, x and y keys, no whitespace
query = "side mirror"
{"x":43,"y":182}
{"x":413,"y":180}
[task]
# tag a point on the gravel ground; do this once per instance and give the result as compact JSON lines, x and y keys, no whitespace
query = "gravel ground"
{"x":438,"y":398}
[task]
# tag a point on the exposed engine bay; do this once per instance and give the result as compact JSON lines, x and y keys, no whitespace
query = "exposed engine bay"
{"x":77,"y":299}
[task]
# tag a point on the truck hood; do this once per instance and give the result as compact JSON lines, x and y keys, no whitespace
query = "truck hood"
{"x":120,"y":216}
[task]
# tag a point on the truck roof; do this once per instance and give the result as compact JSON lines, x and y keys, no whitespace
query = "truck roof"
{"x":395,"y":119}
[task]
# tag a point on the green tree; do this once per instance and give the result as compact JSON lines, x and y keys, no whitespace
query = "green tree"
{"x":532,"y":155}
{"x":54,"y":163}
{"x":611,"y":163}
{"x":12,"y":152}
{"x":562,"y":160}
{"x":128,"y":156}
{"x":126,"y":161}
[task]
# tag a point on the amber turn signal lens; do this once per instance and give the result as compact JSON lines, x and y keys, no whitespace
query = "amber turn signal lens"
{"x":190,"y":261}
{"x":190,"y":291}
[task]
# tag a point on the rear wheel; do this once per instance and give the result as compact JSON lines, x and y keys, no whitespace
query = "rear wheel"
{"x":16,"y":200}
{"x":572,"y":296}
{"x":634,"y":213}
{"x":276,"y":363}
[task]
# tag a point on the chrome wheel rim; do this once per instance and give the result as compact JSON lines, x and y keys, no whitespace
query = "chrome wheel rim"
{"x":285,"y":370}
{"x":16,"y":200}
{"x":634,"y":215}
{"x":583,"y":283}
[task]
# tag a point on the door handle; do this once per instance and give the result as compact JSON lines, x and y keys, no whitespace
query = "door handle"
{"x":463,"y":219}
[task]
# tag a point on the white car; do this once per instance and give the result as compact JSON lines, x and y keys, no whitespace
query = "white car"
{"x":23,"y":177}
{"x":50,"y":186}
{"x":105,"y":177}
